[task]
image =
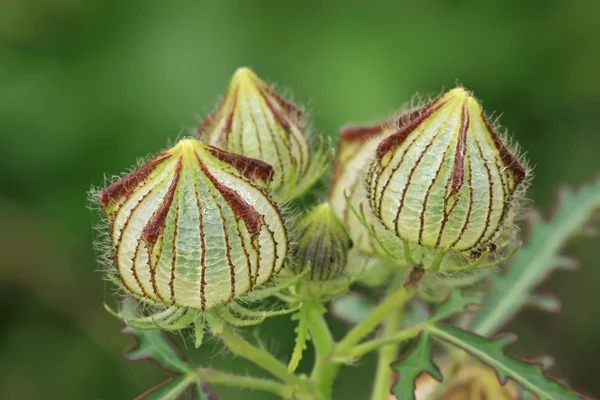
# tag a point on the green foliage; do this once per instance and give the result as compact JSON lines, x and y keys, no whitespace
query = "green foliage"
{"x":456,"y":303}
{"x":491,"y":352}
{"x":539,"y":257}
{"x":416,"y":361}
{"x":155,"y":345}
{"x":302,"y":336}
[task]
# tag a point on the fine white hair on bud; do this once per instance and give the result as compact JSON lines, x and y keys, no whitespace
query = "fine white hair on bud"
{"x":445,"y":180}
{"x":356,"y":151}
{"x":254,"y":121}
{"x":194,"y":227}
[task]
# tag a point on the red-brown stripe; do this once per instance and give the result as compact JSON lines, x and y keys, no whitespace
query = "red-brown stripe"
{"x":203,"y":251}
{"x":156,"y":224}
{"x":428,"y":192}
{"x":458,"y":170}
{"x":396,"y":139}
{"x":124,"y":187}
{"x":249,"y":167}
{"x":508,"y":158}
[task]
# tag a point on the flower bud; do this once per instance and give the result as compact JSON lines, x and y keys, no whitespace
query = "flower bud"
{"x":193,"y":227}
{"x":322,"y":245}
{"x":469,"y":381}
{"x":446,"y":180}
{"x":256,"y":122}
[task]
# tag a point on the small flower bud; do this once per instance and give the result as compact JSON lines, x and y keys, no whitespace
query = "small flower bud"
{"x":193,"y":227}
{"x":322,"y":245}
{"x":446,"y":180}
{"x":256,"y":122}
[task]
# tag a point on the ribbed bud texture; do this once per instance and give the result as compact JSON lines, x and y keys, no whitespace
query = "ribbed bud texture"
{"x":254,"y":121}
{"x":322,"y":245}
{"x":356,"y":151}
{"x":194,"y":227}
{"x":445,"y":179}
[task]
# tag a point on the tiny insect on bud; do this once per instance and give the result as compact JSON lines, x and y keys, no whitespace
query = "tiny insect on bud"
{"x":445,"y":180}
{"x":253,"y":120}
{"x":322,"y":245}
{"x":194,"y":227}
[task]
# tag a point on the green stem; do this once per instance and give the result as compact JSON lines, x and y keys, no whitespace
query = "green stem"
{"x":367,"y":325}
{"x":372,"y":345}
{"x":326,"y":374}
{"x":323,"y":342}
{"x":245,"y":382}
{"x":239,"y":346}
{"x":387,"y":353}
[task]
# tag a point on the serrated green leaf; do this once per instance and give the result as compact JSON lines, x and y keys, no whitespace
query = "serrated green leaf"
{"x":456,"y":303}
{"x":153,"y":344}
{"x":491,"y":352}
{"x":415,"y":362}
{"x":351,"y":308}
{"x":301,"y":337}
{"x":540,"y":256}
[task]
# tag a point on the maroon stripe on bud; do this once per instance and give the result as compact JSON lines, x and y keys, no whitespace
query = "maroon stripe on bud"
{"x":508,"y":158}
{"x":458,"y":169}
{"x":361,"y":133}
{"x":241,"y":209}
{"x":293,"y":111}
{"x":281,"y":119}
{"x":224,"y":134}
{"x":124,"y":187}
{"x":206,"y":125}
{"x":396,"y":139}
{"x":249,"y":167}
{"x":155,"y":226}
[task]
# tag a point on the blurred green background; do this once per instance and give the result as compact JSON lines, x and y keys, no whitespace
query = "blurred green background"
{"x":87,"y":86}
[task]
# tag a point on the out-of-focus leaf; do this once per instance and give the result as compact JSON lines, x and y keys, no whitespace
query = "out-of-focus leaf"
{"x":153,"y":344}
{"x":351,"y":308}
{"x":156,"y":346}
{"x":539,"y":257}
{"x":171,"y":389}
{"x":455,"y":303}
{"x":528,"y":375}
{"x":415,"y":362}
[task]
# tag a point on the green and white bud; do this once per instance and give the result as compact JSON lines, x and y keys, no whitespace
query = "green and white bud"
{"x":194,"y":227}
{"x":445,"y":180}
{"x":322,"y":245}
{"x":356,"y":151}
{"x":254,"y":121}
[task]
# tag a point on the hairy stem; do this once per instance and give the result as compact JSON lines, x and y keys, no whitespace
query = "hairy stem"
{"x":388,"y":353}
{"x":323,"y":342}
{"x":340,"y":351}
{"x":395,"y":338}
{"x":367,"y":325}
{"x":245,"y":382}
{"x":239,"y":346}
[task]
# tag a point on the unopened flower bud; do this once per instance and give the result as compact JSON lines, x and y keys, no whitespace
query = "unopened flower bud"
{"x":446,"y":180}
{"x":194,"y":227}
{"x":322,"y":245}
{"x":356,"y":151}
{"x":256,"y":122}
